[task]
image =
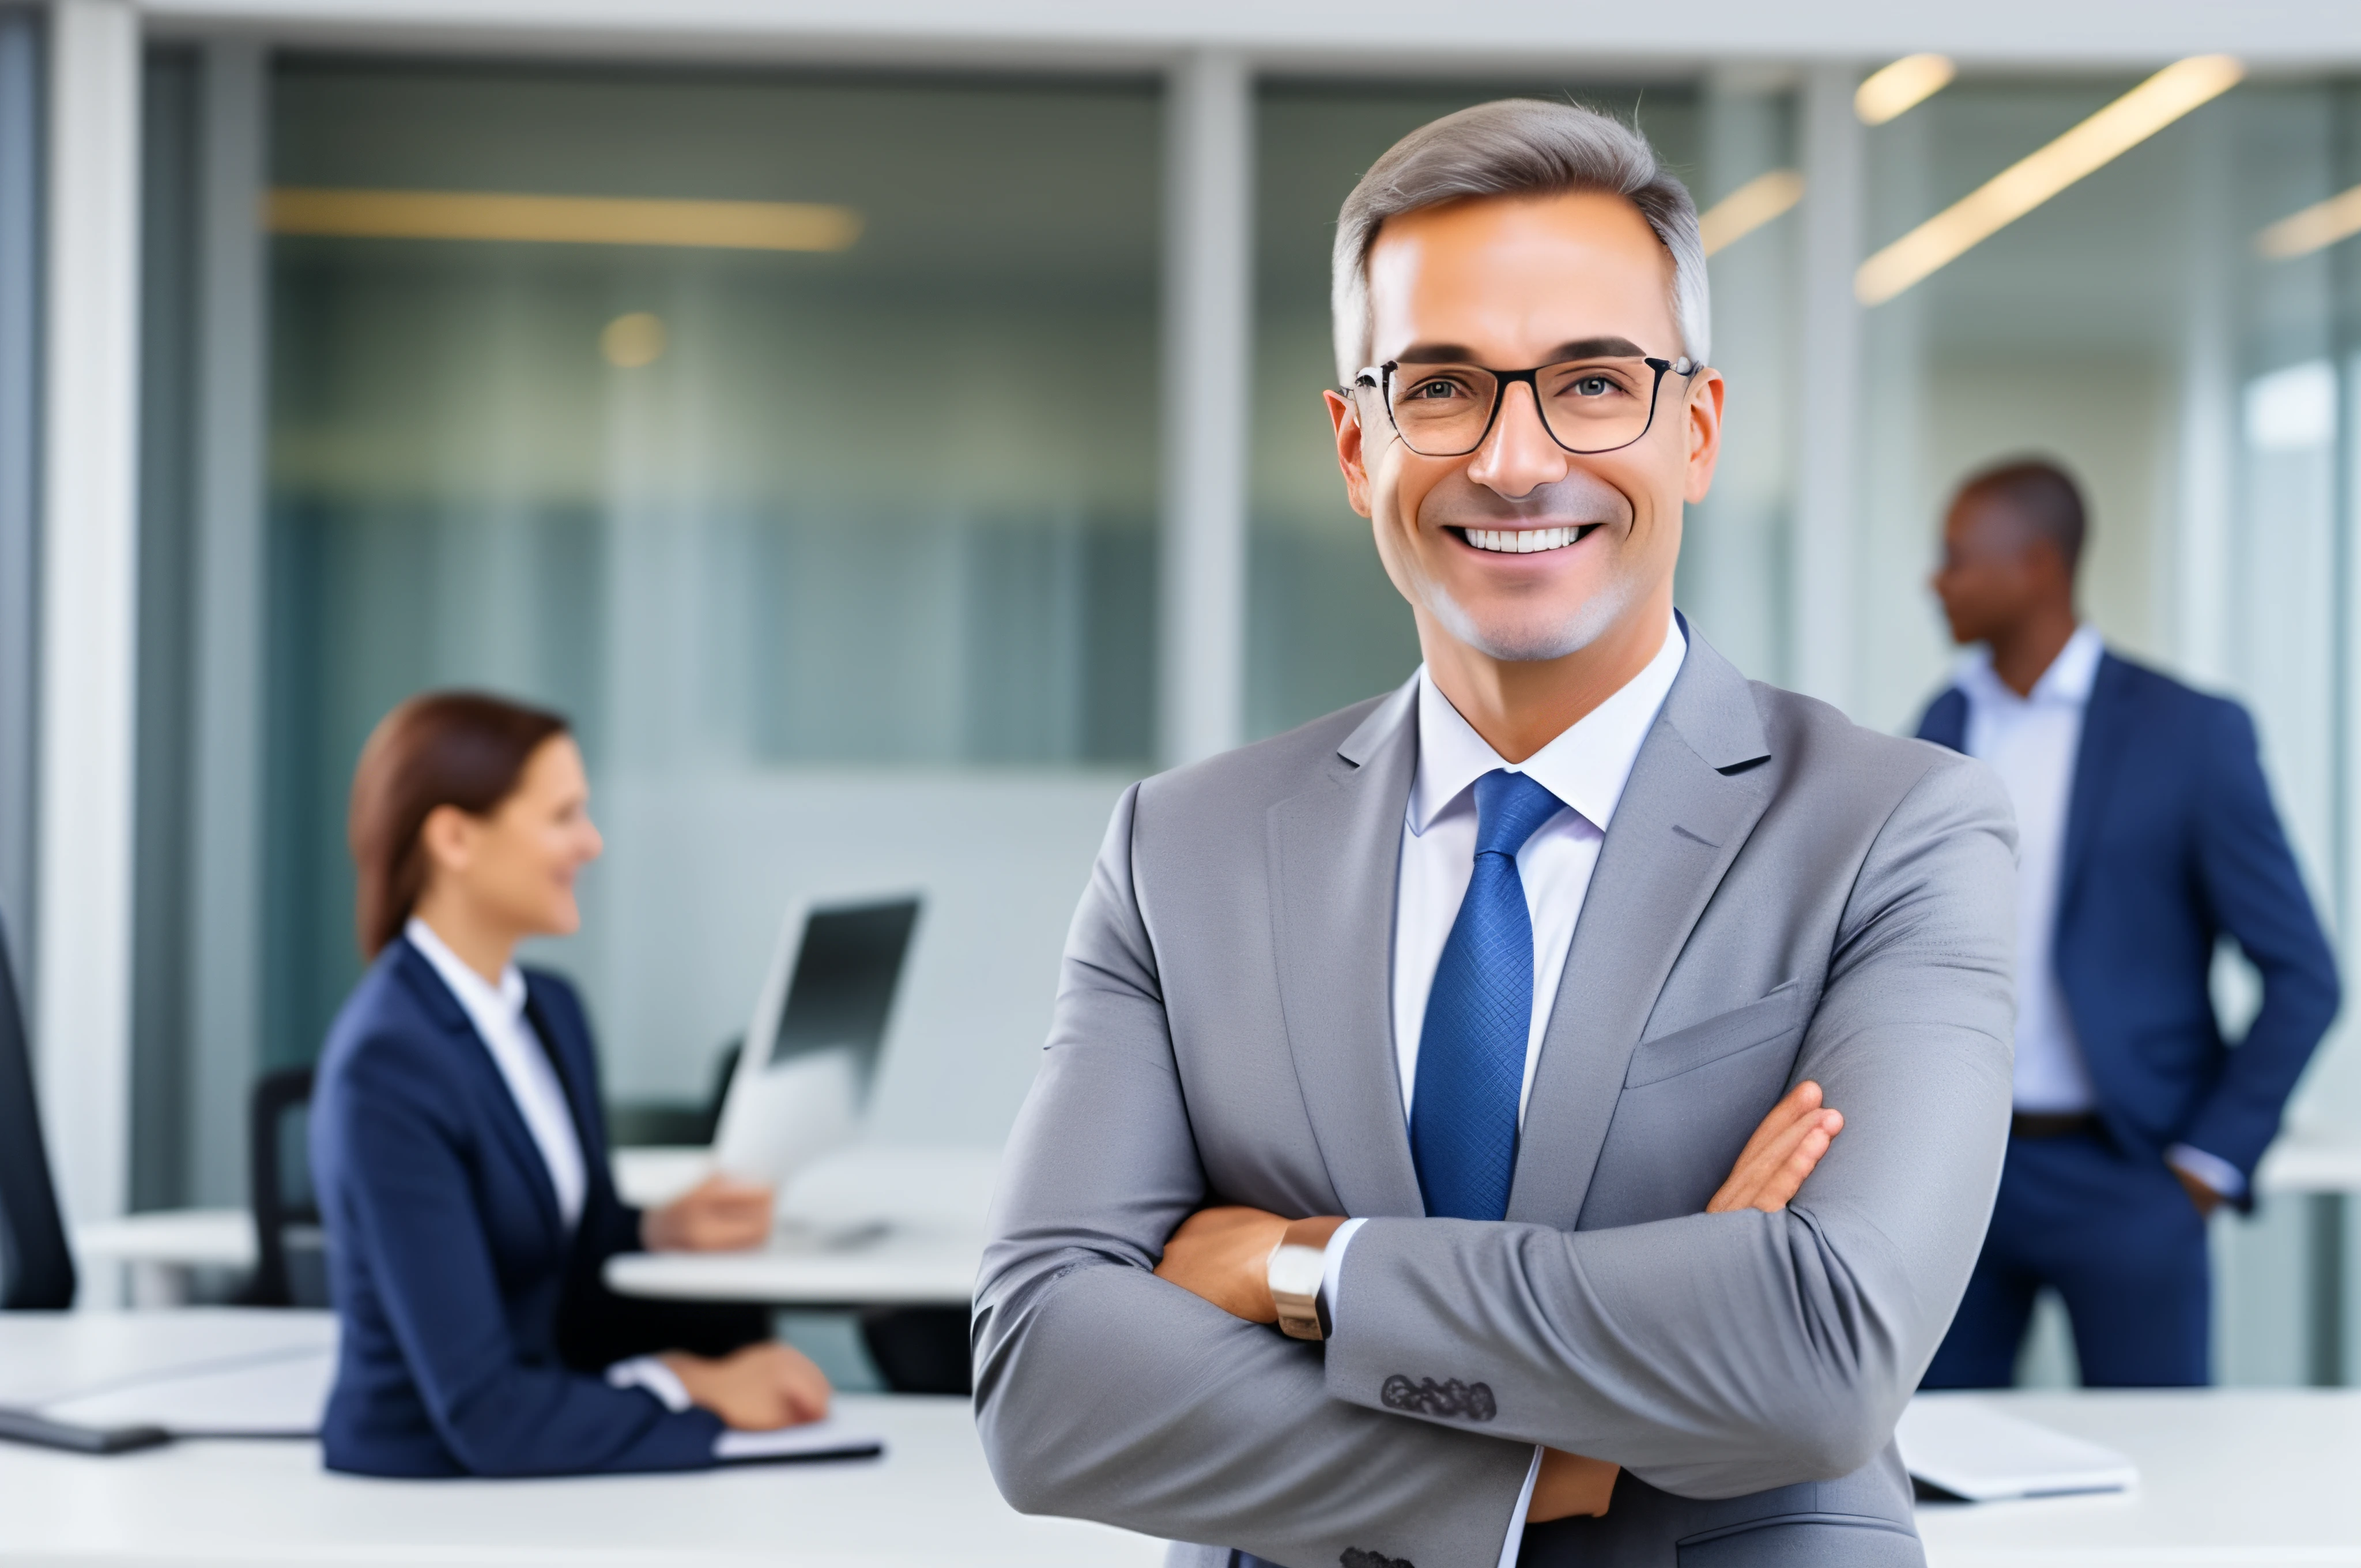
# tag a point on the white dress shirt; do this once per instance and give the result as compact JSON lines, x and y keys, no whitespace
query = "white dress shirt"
{"x":2031,"y":742}
{"x":498,"y":1013}
{"x":1586,"y":767}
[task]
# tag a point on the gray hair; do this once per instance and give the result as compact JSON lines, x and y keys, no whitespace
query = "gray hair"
{"x":1514,"y":146}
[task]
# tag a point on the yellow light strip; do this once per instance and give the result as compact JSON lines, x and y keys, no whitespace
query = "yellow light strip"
{"x":2025,"y":185}
{"x":561,"y":220}
{"x":1749,"y":207}
{"x":1889,"y":93}
{"x":2316,"y":228}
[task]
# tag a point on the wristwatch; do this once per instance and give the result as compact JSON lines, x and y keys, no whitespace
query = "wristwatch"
{"x":1298,"y":1273}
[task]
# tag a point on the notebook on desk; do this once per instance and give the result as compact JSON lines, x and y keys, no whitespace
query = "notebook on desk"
{"x":1960,"y":1448}
{"x":822,"y":1438}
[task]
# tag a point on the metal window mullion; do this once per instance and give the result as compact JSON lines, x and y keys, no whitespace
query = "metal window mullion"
{"x":1821,"y":612}
{"x":21,"y":142}
{"x":224,"y":905}
{"x":1207,"y":376}
{"x":89,"y":601}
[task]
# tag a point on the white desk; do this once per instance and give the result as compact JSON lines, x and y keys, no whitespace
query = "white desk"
{"x":46,"y":1357}
{"x":2229,"y":1478}
{"x":931,"y":1202}
{"x":924,"y":1247}
{"x":929,"y":1501}
{"x":2233,"y":1478}
{"x":900,"y":1266}
{"x":156,"y":1253}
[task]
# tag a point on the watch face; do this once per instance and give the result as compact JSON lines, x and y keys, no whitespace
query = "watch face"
{"x":1296,"y":1271}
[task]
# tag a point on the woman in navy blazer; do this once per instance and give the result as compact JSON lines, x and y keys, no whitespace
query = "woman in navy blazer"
{"x":460,"y":1154}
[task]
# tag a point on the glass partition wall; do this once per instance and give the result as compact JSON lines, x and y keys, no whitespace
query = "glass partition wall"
{"x":2153,"y":330}
{"x":788,"y":435}
{"x":798,"y":437}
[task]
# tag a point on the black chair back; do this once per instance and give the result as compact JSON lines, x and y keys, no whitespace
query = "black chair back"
{"x":37,"y":1270}
{"x":289,"y":1263}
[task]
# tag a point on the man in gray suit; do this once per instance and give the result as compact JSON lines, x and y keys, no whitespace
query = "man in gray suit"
{"x":1537,"y":969}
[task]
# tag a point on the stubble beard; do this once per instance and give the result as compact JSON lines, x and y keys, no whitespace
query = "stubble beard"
{"x":1520,"y":640}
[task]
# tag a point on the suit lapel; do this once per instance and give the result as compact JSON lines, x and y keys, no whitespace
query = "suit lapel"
{"x":1333,"y":852}
{"x":1692,"y":799}
{"x":2106,"y":727}
{"x":486,"y":1087}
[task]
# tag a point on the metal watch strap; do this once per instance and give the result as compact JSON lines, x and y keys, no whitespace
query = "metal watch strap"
{"x":1297,"y":1276}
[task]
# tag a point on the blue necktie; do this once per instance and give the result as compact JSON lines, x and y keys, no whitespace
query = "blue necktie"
{"x":1471,"y":1052}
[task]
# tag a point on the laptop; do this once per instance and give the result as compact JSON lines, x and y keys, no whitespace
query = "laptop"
{"x":804,"y":1074}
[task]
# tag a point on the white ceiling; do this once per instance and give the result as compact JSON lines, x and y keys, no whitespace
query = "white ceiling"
{"x":2301,"y":35}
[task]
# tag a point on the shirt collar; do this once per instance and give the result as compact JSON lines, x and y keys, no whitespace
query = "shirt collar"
{"x":2068,"y":680}
{"x":484,"y":1003}
{"x":1586,"y":767}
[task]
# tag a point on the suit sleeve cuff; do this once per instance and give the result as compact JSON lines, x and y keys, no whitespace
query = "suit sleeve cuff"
{"x":1516,"y":1540}
{"x":2212,"y":1169}
{"x":1332,"y":1268}
{"x":647,"y":1372}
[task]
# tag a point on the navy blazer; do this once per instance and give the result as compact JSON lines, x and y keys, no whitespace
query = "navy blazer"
{"x":2171,"y":843}
{"x":472,"y":1333}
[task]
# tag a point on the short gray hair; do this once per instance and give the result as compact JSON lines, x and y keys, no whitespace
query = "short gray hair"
{"x":1514,"y":146}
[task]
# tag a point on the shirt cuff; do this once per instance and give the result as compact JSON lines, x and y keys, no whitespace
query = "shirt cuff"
{"x":647,"y":1372}
{"x":1516,"y":1540}
{"x":1332,"y":1267}
{"x":2212,"y":1169}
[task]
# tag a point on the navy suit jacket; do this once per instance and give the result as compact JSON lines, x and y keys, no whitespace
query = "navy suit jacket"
{"x":474,"y":1329}
{"x":2171,"y":843}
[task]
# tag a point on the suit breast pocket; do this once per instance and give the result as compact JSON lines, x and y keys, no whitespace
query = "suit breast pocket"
{"x":1774,"y":1017}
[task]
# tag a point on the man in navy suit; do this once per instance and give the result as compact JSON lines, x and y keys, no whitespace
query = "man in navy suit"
{"x":2145,"y":835}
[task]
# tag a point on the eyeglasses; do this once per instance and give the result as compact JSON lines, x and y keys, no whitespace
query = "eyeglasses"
{"x":1589,"y":406}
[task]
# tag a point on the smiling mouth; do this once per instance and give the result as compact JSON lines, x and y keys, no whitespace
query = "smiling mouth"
{"x":1523,"y":541}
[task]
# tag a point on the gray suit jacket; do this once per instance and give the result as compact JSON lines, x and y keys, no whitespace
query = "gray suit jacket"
{"x":1780,"y":894}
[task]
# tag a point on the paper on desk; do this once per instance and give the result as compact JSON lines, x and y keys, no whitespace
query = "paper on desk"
{"x":1973,"y":1449}
{"x":280,"y":1396}
{"x":823,"y":1439}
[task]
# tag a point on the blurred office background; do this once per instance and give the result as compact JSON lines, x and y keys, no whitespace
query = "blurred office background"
{"x":884,"y":547}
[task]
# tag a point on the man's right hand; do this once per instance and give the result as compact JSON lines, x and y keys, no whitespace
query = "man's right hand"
{"x":1769,"y":1170}
{"x":759,"y":1389}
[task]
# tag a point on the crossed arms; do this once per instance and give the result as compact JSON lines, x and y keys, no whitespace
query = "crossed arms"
{"x":1223,"y":1255}
{"x":1713,"y":1355}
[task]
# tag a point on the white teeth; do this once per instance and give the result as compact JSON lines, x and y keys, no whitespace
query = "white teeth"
{"x":1522,"y":541}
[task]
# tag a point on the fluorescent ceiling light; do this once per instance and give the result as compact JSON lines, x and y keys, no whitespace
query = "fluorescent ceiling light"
{"x":1889,"y":93}
{"x":2025,"y":185}
{"x":1749,"y":207}
{"x":563,"y":220}
{"x":2316,"y":228}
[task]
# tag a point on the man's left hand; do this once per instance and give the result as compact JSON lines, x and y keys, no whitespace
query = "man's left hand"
{"x":2204,"y":1197}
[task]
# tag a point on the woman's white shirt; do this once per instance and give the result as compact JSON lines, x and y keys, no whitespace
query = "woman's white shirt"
{"x":498,"y":1013}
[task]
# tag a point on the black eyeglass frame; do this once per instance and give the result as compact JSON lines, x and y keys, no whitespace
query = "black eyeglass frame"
{"x":1379,"y":378}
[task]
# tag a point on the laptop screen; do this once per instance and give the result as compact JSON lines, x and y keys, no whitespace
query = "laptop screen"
{"x":846,"y":973}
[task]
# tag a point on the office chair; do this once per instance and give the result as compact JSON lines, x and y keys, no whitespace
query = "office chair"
{"x":37,"y":1269}
{"x":290,"y":1266}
